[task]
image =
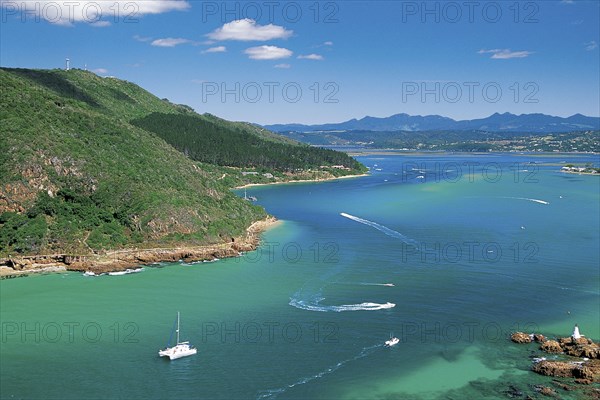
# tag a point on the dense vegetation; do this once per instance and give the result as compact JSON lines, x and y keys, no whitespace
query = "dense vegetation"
{"x":77,"y":176}
{"x":215,"y":143}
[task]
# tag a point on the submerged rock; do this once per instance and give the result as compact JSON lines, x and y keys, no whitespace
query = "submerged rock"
{"x":545,"y":390}
{"x":513,"y":392}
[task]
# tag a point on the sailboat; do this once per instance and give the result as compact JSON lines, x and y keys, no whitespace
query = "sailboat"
{"x":181,"y":349}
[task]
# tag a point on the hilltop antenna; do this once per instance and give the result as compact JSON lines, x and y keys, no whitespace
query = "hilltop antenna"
{"x":67,"y":64}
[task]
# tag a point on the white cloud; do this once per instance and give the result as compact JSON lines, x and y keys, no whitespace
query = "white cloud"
{"x":267,"y":53}
{"x":247,"y":30}
{"x":100,"y":71}
{"x":313,"y":56}
{"x":593,"y":45}
{"x":328,"y":43}
{"x":505,"y":54}
{"x":283,"y":66}
{"x":96,"y":13}
{"x":100,"y":24}
{"x":169,"y":42}
{"x":142,"y":38}
{"x":217,"y":49}
{"x":567,"y":2}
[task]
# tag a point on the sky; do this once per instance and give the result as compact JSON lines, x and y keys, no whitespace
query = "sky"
{"x":324,"y":61}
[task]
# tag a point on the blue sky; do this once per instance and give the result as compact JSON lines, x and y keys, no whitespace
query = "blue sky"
{"x":329,"y":61}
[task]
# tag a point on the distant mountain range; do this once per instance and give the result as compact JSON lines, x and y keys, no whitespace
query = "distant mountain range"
{"x":507,"y":122}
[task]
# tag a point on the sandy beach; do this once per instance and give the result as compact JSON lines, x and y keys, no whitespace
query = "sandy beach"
{"x":300,"y":181}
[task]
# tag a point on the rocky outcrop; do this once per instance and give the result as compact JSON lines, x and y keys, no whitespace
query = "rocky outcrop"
{"x":582,"y":347}
{"x":577,"y":359}
{"x":582,"y":371}
{"x":557,"y":368}
{"x":520,"y":337}
{"x":539,"y":338}
{"x":123,"y":259}
{"x":551,"y":346}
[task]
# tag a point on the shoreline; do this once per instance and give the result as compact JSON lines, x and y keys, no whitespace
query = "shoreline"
{"x":581,"y":173}
{"x":300,"y":181}
{"x":120,"y":260}
{"x":356,"y":152}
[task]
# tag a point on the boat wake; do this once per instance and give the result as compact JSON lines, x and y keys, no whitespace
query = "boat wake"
{"x":381,"y":228}
{"x":580,"y":290}
{"x":376,"y":284}
{"x":273,"y":393}
{"x":528,"y":199}
{"x":364,"y":283}
{"x":315,"y":306}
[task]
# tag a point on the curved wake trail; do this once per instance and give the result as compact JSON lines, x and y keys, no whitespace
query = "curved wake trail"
{"x":315,"y":306}
{"x":273,"y":393}
{"x":381,"y":228}
{"x":528,"y":199}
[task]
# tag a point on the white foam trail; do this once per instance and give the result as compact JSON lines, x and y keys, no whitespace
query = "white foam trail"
{"x":364,"y":283}
{"x":315,"y":306}
{"x":528,"y":199}
{"x":384,"y":229}
{"x":579,"y":290}
{"x":272,"y":393}
{"x":376,"y":284}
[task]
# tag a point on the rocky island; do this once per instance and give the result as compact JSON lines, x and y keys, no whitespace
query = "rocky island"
{"x":575,"y":361}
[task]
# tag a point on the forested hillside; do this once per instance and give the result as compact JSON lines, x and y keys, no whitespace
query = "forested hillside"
{"x":77,"y":176}
{"x":215,"y":143}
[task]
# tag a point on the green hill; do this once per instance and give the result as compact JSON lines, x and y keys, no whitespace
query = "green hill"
{"x":76,"y":175}
{"x":217,"y":143}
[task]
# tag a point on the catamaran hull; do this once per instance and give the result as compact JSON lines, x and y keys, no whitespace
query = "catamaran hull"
{"x":175,"y":356}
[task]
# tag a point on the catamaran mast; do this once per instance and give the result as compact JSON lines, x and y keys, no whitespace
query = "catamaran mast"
{"x":177,"y":327}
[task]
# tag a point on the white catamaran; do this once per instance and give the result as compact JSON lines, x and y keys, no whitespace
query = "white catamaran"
{"x":181,"y":349}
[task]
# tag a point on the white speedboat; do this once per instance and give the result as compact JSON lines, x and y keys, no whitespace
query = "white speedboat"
{"x":181,"y":349}
{"x":392,"y":341}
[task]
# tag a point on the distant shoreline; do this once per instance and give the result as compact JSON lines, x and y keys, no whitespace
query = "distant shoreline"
{"x":581,"y":173}
{"x":354,"y":152}
{"x":301,"y":181}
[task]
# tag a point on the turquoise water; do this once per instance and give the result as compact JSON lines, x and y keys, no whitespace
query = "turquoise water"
{"x":472,"y":256}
